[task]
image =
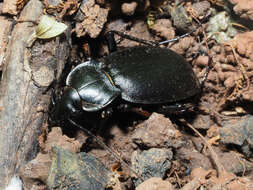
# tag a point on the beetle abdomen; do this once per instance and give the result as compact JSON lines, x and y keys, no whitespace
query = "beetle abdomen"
{"x":152,"y":75}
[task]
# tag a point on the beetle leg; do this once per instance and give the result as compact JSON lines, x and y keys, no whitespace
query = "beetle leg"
{"x":107,"y":113}
{"x":52,"y":106}
{"x":175,"y":108}
{"x":111,"y":43}
{"x":130,"y":108}
{"x":53,"y":98}
{"x":141,"y":112}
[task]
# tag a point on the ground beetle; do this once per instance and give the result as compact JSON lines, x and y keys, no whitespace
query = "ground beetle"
{"x":141,"y":75}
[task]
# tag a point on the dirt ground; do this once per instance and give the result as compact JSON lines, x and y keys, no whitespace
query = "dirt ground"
{"x":208,"y":147}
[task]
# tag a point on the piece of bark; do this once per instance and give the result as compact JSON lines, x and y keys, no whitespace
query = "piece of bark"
{"x":20,"y":97}
{"x":10,"y":7}
{"x":6,"y":24}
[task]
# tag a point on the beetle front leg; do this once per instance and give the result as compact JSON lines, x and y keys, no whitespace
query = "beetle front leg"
{"x":106,"y":113}
{"x":111,"y":43}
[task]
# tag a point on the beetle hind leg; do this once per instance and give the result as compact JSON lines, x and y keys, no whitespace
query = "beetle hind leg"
{"x":176,"y":109}
{"x":134,"y":109}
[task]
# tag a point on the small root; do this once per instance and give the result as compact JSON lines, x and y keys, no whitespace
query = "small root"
{"x":220,"y":168}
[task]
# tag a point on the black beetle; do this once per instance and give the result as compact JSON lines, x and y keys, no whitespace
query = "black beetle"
{"x":141,"y":75}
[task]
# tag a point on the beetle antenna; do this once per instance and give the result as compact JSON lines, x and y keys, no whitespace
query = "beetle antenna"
{"x":146,"y":42}
{"x":116,"y":155}
{"x":179,"y":37}
{"x":208,"y":69}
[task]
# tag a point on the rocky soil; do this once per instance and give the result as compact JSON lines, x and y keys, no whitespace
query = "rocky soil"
{"x":209,"y":147}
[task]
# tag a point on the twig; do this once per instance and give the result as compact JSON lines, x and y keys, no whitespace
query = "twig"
{"x":196,"y":182}
{"x":116,"y":155}
{"x":241,"y":67}
{"x":214,"y":156}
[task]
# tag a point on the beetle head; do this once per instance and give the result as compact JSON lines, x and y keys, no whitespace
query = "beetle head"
{"x":68,"y":105}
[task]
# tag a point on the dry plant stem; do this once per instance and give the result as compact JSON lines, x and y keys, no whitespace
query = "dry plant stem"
{"x":210,"y":59}
{"x":217,"y":2}
{"x":203,"y":31}
{"x":241,"y":26}
{"x":178,"y":180}
{"x":192,"y":185}
{"x":214,"y":156}
{"x":242,"y":163}
{"x":116,"y":155}
{"x":241,"y":67}
{"x":238,"y":84}
{"x":195,"y":183}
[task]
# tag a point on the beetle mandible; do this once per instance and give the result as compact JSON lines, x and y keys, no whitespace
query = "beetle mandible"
{"x":140,"y":75}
